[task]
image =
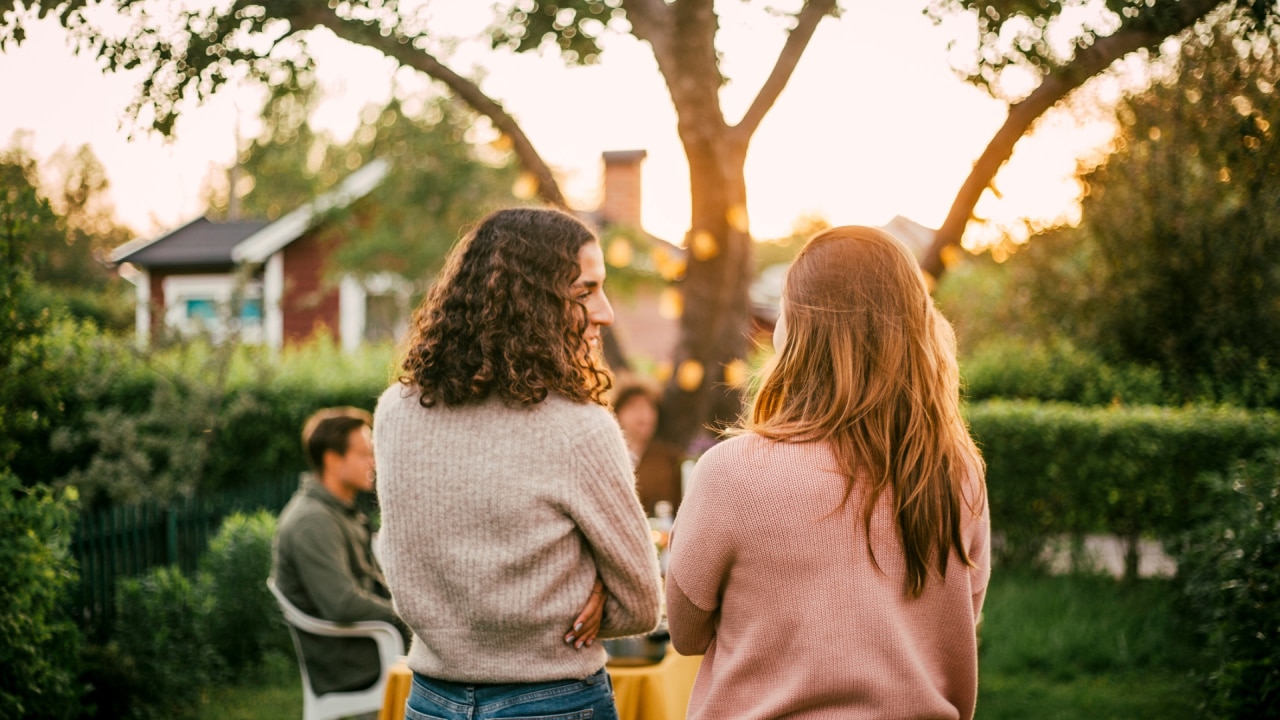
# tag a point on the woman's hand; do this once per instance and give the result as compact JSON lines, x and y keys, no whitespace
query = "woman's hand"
{"x":587,"y":625}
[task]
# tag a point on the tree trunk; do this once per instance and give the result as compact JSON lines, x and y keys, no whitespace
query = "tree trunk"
{"x":715,"y":321}
{"x":1132,"y":555}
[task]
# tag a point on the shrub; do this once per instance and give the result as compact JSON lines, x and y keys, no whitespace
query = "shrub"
{"x":1230,"y":570}
{"x":69,"y":370}
{"x":1056,"y":370}
{"x":159,"y":633}
{"x":1062,"y":469}
{"x":124,"y":427}
{"x":39,"y":643}
{"x":244,"y":621}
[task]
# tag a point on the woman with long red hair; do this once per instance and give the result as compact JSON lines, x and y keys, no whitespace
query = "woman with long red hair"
{"x":831,"y":560}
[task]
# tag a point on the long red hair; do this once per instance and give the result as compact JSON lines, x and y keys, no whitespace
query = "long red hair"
{"x":869,"y":366}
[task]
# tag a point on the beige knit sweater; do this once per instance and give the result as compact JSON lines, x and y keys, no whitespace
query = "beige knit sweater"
{"x":495,"y":523}
{"x":796,"y":622}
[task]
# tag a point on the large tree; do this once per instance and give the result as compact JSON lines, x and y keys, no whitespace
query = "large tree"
{"x":190,"y":52}
{"x":64,"y":246}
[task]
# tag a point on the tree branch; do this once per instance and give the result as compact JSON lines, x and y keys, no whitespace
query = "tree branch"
{"x":651,"y":22}
{"x":401,"y":49}
{"x":1087,"y":63}
{"x":806,"y":22}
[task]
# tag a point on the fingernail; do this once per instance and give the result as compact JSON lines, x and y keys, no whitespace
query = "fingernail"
{"x":579,"y":645}
{"x":568,"y":639}
{"x":577,"y":626}
{"x":588,"y":643}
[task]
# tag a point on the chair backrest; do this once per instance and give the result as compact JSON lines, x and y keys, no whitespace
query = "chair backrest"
{"x":340,"y":704}
{"x":292,"y":615}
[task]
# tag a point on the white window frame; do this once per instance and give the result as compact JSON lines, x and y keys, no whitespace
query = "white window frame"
{"x":178,"y":289}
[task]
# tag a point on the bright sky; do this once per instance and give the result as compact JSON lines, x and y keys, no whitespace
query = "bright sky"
{"x":873,"y":124}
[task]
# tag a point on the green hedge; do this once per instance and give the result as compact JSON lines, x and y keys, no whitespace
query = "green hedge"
{"x":1056,"y":469}
{"x":1057,"y":370}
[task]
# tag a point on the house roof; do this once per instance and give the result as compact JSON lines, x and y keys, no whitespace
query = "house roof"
{"x":270,"y":239}
{"x":915,"y":236}
{"x":200,"y":242}
{"x":205,"y":243}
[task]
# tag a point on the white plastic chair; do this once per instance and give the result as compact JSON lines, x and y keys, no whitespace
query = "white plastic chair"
{"x":340,"y":704}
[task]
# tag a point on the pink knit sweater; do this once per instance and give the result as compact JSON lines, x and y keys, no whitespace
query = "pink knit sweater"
{"x":795,"y":620}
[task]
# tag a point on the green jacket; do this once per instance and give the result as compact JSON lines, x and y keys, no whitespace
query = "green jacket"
{"x":323,"y":563}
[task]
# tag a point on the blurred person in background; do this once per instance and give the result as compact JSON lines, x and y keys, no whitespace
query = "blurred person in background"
{"x":657,"y":463}
{"x":322,"y":559}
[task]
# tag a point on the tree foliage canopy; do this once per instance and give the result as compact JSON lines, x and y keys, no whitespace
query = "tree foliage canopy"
{"x":59,"y":226}
{"x":1176,"y":263}
{"x":440,"y":179}
{"x":187,"y":52}
{"x":1034,"y":53}
{"x":1047,"y":37}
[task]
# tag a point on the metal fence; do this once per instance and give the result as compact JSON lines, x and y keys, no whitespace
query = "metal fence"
{"x":127,"y":541}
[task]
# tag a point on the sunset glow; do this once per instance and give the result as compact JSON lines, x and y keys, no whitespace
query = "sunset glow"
{"x":873,"y":124}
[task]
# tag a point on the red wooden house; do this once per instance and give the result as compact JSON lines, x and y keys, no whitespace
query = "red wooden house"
{"x":277,"y":272}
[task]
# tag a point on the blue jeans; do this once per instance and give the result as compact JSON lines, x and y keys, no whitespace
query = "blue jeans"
{"x":588,"y":699}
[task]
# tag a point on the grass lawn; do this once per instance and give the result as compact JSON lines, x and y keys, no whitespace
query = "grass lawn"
{"x":1072,"y":647}
{"x":275,"y":693}
{"x":1081,"y":646}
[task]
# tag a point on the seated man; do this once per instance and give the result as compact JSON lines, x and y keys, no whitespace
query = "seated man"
{"x":323,"y":561}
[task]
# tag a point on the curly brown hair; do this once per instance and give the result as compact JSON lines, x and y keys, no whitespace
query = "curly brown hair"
{"x":501,"y":320}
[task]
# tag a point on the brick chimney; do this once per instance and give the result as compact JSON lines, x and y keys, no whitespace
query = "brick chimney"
{"x":621,"y":205}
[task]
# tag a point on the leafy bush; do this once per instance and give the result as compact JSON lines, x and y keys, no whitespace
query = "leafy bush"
{"x":1230,"y":570}
{"x":269,"y":398}
{"x":124,"y":426}
{"x":1062,"y":469}
{"x":39,"y":643}
{"x":69,"y":371}
{"x":1056,"y":371}
{"x":160,"y":635}
{"x":173,"y":637}
{"x":244,"y":621}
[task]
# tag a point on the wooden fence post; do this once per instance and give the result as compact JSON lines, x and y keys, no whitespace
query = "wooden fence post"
{"x":171,"y":534}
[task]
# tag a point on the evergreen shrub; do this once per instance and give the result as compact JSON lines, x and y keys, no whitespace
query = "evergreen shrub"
{"x":244,"y":622}
{"x":160,"y":636}
{"x":1230,"y":570}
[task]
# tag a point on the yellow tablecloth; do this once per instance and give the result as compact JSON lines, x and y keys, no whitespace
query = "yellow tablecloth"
{"x":651,"y":692}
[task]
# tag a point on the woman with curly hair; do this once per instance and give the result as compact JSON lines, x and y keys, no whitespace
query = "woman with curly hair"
{"x":511,"y":534}
{"x":832,"y":559}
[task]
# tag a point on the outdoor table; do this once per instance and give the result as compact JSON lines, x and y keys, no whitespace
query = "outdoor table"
{"x":648,"y":692}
